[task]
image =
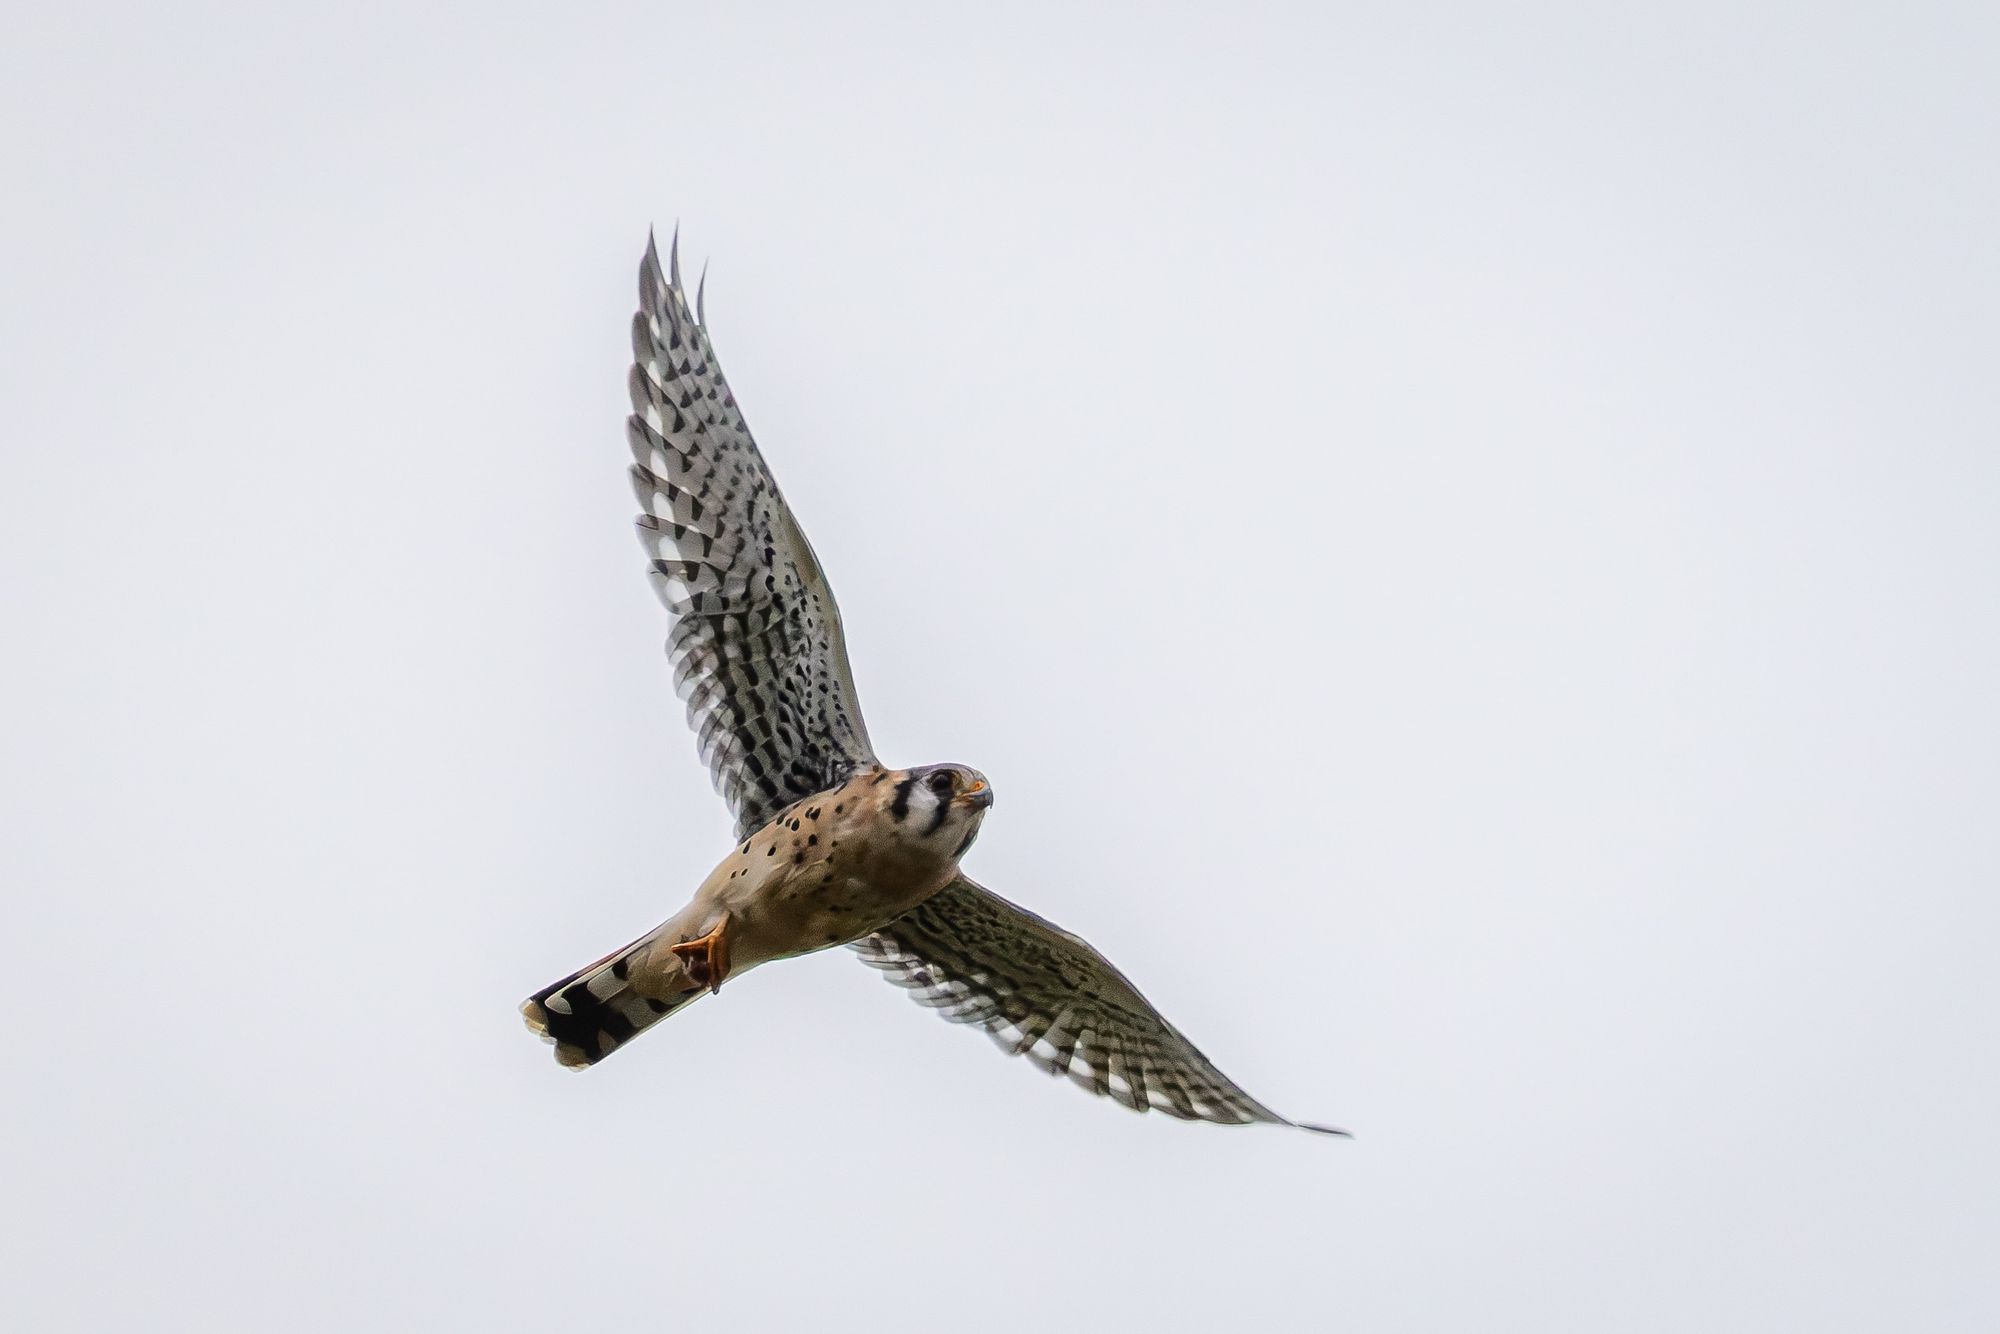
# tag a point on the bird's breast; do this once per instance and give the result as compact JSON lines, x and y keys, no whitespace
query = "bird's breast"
{"x":827,"y":871}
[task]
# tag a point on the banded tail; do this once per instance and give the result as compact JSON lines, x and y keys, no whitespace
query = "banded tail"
{"x":594,"y":1011}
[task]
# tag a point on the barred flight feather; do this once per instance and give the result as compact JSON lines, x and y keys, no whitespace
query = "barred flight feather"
{"x":594,"y":1011}
{"x":756,"y":645}
{"x":1043,"y":993}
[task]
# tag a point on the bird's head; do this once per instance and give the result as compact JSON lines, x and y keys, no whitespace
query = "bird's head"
{"x":942,"y":803}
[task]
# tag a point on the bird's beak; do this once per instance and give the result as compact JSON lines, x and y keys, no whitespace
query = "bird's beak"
{"x":979,"y":796}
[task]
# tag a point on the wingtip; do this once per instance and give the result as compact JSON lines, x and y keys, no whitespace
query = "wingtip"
{"x":701,"y":297}
{"x":649,"y":264}
{"x":674,"y":256}
{"x":1323,"y":1130}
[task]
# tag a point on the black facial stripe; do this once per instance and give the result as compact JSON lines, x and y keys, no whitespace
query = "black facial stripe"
{"x":937,"y":817}
{"x":900,"y":807}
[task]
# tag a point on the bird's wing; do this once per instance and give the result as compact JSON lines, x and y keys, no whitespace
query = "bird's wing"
{"x":756,"y":644}
{"x":1041,"y":992}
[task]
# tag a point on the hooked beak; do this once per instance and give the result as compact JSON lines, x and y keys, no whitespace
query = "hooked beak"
{"x":979,"y":796}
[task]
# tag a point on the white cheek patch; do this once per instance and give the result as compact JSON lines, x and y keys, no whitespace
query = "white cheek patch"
{"x":924,"y":805}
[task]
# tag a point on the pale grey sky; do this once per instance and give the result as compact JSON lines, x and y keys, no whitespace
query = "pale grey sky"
{"x":1465,"y":537}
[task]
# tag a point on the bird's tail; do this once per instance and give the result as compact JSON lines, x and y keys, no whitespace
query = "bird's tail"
{"x":594,"y":1011}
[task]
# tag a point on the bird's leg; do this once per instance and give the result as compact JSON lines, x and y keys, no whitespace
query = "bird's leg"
{"x":707,"y":959}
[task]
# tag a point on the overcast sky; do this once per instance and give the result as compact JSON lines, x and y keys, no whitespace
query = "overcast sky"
{"x":1464,"y":536}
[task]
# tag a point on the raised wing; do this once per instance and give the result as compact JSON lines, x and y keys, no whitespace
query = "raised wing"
{"x":1041,"y":992}
{"x":756,"y":644}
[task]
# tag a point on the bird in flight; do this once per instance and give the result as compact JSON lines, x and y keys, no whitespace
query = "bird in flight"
{"x":832,"y":847}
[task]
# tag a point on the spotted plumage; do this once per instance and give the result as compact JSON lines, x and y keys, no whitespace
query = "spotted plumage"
{"x":782,"y":892}
{"x":833,"y":848}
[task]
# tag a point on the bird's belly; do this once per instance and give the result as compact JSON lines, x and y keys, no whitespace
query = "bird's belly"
{"x":812,"y":912}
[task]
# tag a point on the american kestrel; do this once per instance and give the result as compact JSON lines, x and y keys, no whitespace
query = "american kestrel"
{"x":833,"y":848}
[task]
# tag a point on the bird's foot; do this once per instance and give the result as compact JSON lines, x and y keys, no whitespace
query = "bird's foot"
{"x":707,"y":959}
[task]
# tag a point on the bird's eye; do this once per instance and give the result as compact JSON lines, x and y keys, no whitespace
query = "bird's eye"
{"x":941,"y":784}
